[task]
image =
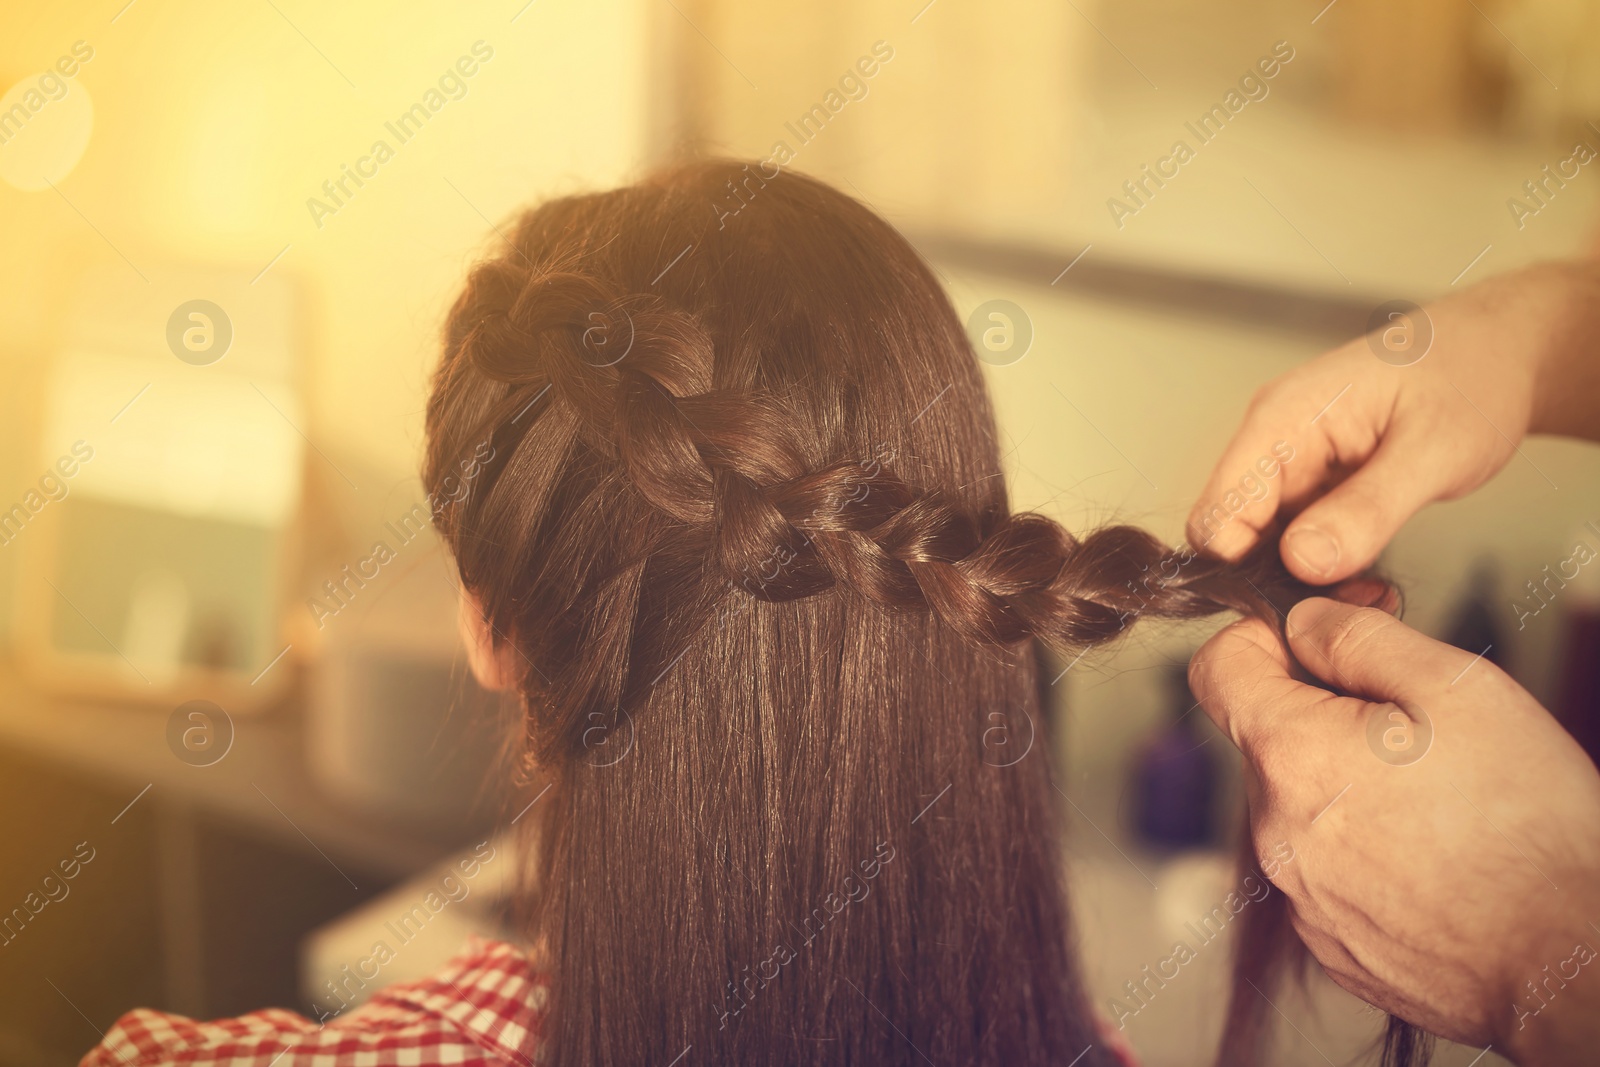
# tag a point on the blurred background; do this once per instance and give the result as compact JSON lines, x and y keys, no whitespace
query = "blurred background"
{"x":228,"y":669}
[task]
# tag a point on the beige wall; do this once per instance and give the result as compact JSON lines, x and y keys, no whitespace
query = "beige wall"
{"x":972,"y":119}
{"x":214,"y":123}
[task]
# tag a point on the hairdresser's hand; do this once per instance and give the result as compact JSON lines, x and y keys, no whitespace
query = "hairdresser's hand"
{"x":1432,"y":887}
{"x":1374,"y":442}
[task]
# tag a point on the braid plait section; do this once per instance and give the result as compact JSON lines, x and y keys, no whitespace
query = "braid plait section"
{"x":639,"y":374}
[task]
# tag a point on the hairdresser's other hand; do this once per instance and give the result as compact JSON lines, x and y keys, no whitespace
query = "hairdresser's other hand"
{"x":1373,"y":442}
{"x":1433,"y":877}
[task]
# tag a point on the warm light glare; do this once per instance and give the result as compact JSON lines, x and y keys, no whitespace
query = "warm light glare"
{"x":45,"y":125}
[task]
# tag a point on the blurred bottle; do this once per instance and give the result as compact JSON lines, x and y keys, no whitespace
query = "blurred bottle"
{"x":1176,"y":776}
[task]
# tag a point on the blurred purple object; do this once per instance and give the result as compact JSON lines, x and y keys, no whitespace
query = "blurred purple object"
{"x":1176,"y":778}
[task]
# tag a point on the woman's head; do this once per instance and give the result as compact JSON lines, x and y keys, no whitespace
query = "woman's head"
{"x":736,"y":525}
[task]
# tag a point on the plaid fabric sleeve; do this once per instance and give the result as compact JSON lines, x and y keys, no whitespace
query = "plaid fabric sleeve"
{"x":481,"y":1010}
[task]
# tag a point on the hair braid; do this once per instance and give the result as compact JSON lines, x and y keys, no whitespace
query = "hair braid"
{"x":726,"y":461}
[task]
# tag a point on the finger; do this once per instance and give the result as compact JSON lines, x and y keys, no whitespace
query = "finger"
{"x":1368,"y":593}
{"x":1342,"y":532}
{"x":1278,"y":455}
{"x":1368,"y":652}
{"x":1246,"y":486}
{"x":1241,"y":678}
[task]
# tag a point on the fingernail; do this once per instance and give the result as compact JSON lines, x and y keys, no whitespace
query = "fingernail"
{"x":1304,"y":616}
{"x":1313,"y":548}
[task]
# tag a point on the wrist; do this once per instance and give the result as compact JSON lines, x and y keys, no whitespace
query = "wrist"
{"x":1565,"y":1033}
{"x":1562,"y":317}
{"x":1555,"y":1007}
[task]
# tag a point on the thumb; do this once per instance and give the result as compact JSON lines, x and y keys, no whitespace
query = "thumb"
{"x":1241,"y":678}
{"x":1343,"y":532}
{"x":1368,"y":652}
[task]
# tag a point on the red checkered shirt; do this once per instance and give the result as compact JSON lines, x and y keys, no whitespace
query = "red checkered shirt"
{"x":481,"y":1010}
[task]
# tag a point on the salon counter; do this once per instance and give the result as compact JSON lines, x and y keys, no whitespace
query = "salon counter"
{"x":204,"y":881}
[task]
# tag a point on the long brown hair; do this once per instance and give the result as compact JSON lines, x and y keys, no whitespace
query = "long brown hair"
{"x":743,"y":523}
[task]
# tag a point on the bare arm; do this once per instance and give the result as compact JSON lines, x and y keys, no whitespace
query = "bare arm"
{"x":1568,"y":381}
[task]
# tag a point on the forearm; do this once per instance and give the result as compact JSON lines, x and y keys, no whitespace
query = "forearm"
{"x":1555,"y":987}
{"x":1566,"y":297}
